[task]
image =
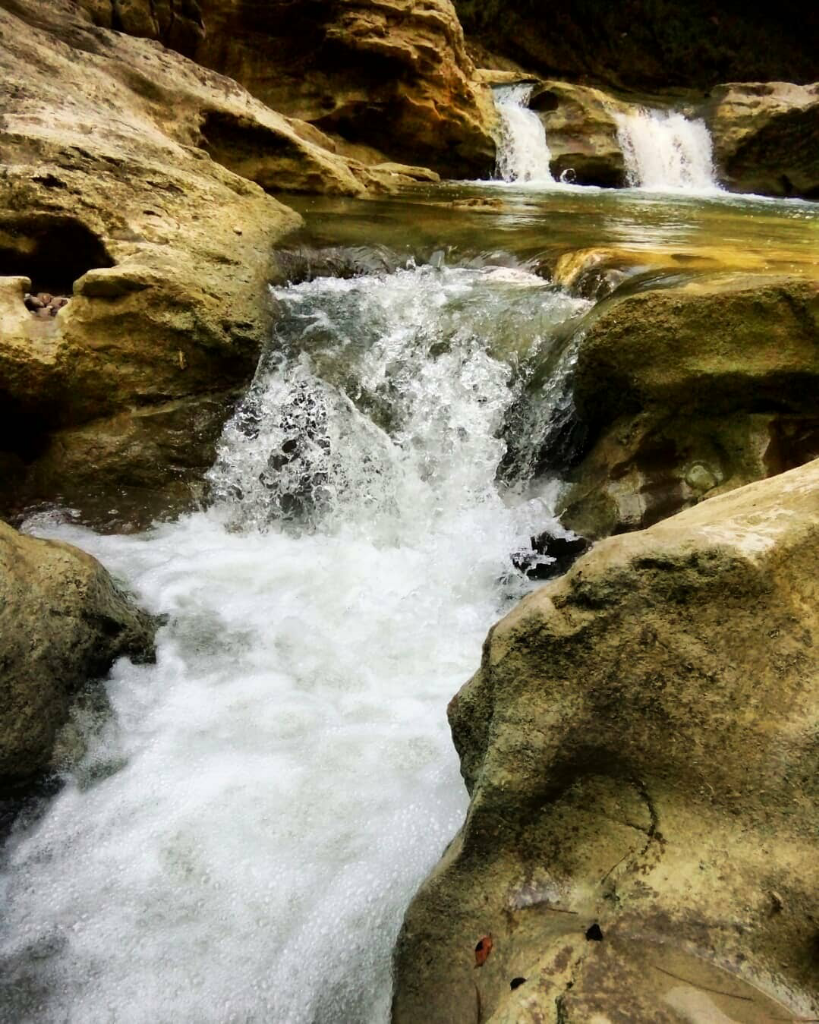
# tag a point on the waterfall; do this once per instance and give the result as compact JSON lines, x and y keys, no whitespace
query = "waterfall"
{"x":523,"y":153}
{"x":245,"y":832}
{"x":664,"y":151}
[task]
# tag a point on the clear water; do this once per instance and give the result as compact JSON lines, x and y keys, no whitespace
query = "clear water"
{"x":243,"y":836}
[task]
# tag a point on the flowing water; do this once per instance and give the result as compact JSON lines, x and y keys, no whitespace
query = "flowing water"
{"x":665,"y":151}
{"x":244,"y":834}
{"x":523,"y":153}
{"x":242,"y":838}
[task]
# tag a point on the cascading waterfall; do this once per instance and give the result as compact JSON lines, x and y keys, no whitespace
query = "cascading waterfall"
{"x":665,"y":151}
{"x":523,"y":153}
{"x":244,"y":833}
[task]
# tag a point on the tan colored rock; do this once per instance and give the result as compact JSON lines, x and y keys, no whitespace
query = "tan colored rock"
{"x":388,"y":74}
{"x":640,"y":749}
{"x":581,"y":130}
{"x":176,"y":23}
{"x":63,"y":622}
{"x":112,"y":192}
{"x":766,"y":137}
{"x":688,"y":391}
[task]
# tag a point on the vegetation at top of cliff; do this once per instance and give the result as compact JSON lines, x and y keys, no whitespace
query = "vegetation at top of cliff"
{"x":651,"y":44}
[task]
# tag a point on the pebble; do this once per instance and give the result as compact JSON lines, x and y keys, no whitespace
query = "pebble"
{"x":44,"y":304}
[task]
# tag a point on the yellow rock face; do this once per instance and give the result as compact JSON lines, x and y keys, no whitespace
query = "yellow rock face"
{"x":640,"y":749}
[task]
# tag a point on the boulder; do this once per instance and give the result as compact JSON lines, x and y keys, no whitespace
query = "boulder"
{"x":766,"y":137}
{"x":640,"y":749}
{"x":687,"y":391}
{"x":63,"y":622}
{"x":581,"y":131}
{"x":113,"y":194}
{"x":392,"y":75}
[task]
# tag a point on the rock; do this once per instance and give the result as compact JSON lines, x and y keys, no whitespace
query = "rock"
{"x":550,"y":555}
{"x":128,"y":470}
{"x":176,"y":23}
{"x":766,"y":137}
{"x":393,"y":75}
{"x":63,"y":622}
{"x":112,"y":193}
{"x":640,"y":750}
{"x":648,"y":45}
{"x":581,"y":130}
{"x":691,"y":390}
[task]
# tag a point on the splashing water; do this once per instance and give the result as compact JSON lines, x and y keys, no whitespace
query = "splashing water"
{"x":241,"y":840}
{"x":523,"y":153}
{"x":664,"y":151}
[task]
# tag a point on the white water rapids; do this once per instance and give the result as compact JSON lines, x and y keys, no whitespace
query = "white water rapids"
{"x":244,"y":834}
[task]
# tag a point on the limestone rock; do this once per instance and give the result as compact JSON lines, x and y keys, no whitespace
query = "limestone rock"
{"x":766,"y":137}
{"x":388,"y":74}
{"x":640,"y":749}
{"x":112,"y":193}
{"x":63,"y":622}
{"x":176,"y":23}
{"x":691,"y":390}
{"x":581,"y":129}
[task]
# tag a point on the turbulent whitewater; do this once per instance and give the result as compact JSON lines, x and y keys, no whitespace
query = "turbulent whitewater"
{"x":523,"y":153}
{"x":665,"y":151}
{"x":246,"y":830}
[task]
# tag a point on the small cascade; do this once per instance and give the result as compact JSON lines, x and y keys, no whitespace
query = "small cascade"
{"x":523,"y":153}
{"x":664,"y":151}
{"x":242,"y":838}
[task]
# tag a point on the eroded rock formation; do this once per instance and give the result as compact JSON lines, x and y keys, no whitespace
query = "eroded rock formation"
{"x":766,"y":137}
{"x":63,"y":621}
{"x":391,"y":76}
{"x":640,"y":749}
{"x":692,"y":390}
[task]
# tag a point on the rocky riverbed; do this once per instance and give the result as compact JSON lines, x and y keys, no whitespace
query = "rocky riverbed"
{"x":329,"y":331}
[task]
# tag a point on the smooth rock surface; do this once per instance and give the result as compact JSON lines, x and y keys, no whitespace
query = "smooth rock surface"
{"x":581,"y":129}
{"x":63,"y":622}
{"x":640,"y":749}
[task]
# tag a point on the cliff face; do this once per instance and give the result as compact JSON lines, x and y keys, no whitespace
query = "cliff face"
{"x":651,"y":44}
{"x":381,"y":76}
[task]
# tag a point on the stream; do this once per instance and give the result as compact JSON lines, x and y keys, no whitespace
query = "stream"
{"x":248,"y":825}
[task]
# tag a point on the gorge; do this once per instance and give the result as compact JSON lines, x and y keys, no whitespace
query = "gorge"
{"x":325,"y":331}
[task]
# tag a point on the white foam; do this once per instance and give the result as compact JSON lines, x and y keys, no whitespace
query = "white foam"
{"x":271,"y":792}
{"x":523,"y":153}
{"x":666,"y":152}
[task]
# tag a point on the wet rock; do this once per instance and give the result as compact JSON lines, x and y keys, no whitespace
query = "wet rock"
{"x":125,"y":471}
{"x":550,"y":555}
{"x":639,"y":748}
{"x":689,"y":391}
{"x":766,"y":137}
{"x":63,"y":622}
{"x":581,"y":129}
